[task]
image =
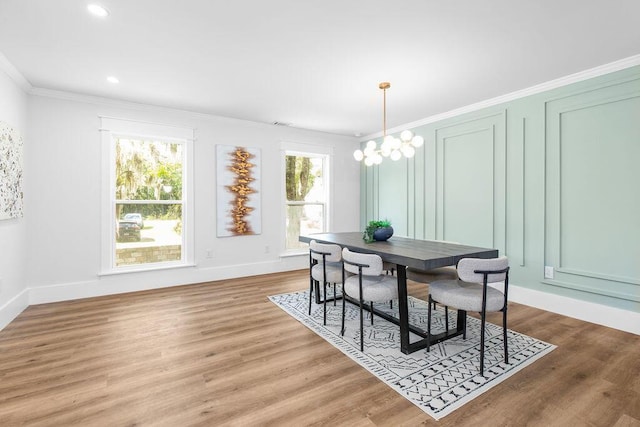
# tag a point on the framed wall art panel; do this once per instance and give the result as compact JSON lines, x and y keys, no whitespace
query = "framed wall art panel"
{"x":11,"y":163}
{"x":238,"y":191}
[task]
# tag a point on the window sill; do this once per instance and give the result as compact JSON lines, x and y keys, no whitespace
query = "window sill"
{"x":144,"y":269}
{"x":302,"y":252}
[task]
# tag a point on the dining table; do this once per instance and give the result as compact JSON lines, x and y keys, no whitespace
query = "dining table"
{"x":415,"y":253}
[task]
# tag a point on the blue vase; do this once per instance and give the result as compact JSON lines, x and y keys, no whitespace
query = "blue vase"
{"x":382,"y":234}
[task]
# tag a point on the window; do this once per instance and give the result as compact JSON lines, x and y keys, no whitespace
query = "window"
{"x":307,"y":194}
{"x":147,"y":201}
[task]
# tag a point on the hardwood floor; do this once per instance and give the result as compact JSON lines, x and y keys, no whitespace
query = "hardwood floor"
{"x":221,"y":353}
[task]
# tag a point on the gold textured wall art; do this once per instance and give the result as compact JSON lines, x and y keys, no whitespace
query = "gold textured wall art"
{"x":238,"y":175}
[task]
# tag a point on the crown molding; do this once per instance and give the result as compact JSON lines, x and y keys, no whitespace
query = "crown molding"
{"x":14,"y":74}
{"x":621,"y":64}
{"x":112,"y":102}
{"x":132,"y":105}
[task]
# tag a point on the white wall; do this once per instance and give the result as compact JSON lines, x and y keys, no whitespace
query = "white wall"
{"x":64,"y":198}
{"x":13,"y":232}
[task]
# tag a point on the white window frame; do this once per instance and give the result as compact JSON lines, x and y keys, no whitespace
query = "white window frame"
{"x":310,"y":150}
{"x":113,"y":128}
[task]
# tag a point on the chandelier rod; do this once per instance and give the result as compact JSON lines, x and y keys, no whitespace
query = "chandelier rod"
{"x":384,"y":86}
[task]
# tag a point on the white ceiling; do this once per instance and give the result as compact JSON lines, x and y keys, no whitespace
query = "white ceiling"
{"x":315,"y":64}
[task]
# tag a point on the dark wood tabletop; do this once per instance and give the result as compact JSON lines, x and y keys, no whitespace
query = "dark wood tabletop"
{"x":421,"y":254}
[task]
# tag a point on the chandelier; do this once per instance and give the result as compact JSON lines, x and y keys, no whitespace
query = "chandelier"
{"x":391,"y":146}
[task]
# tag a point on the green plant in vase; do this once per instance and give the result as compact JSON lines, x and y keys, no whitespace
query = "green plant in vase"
{"x":377,"y":231}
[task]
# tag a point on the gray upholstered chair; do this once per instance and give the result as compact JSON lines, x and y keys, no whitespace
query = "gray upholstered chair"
{"x":471,"y":292}
{"x":325,"y":267}
{"x":366,"y":284}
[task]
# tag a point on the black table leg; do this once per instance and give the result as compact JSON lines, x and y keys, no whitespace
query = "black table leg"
{"x":403,"y":308}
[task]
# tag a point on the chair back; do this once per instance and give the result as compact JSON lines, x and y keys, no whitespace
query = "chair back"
{"x":332,"y":252}
{"x":371,"y":263}
{"x":467,"y":266}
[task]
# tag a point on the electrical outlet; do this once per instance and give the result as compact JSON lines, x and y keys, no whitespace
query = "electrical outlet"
{"x":548,"y":272}
{"x":209,"y":253}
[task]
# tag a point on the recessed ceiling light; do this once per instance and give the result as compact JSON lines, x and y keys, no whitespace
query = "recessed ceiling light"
{"x":112,"y":79}
{"x":98,"y":10}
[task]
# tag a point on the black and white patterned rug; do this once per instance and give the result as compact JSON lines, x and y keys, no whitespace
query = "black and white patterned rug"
{"x":439,"y":381}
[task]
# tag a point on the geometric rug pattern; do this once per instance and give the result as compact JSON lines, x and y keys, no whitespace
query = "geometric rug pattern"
{"x":438,"y":381}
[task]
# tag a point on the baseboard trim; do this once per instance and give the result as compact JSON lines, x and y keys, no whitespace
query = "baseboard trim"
{"x":131,"y":282}
{"x":599,"y":314}
{"x":12,"y":308}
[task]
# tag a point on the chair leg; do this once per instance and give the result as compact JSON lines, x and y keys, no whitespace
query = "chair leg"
{"x":310,"y":293}
{"x":324,"y":298}
{"x":446,"y":318}
{"x":464,"y":327}
{"x":361,"y":327}
{"x":429,"y":323}
{"x":504,"y":335}
{"x":343,"y":308}
{"x":334,"y":294}
{"x":372,"y":312}
{"x":483,"y":315}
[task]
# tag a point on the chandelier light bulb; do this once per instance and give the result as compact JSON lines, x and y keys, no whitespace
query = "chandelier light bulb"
{"x":385,"y":150}
{"x":406,"y":135}
{"x":371,"y":144}
{"x":369,"y":151}
{"x":358,"y":155}
{"x":395,"y":155}
{"x":408,"y":151}
{"x":417,"y":141}
{"x":377,"y":159}
{"x":368,"y":161}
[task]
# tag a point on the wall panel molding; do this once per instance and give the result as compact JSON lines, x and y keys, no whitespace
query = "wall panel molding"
{"x":488,"y":129}
{"x":600,"y":180}
{"x":596,"y":275}
{"x":594,"y":290}
{"x":523,"y":190}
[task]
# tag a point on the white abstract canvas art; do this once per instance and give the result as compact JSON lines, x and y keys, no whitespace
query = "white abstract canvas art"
{"x":238,"y":191}
{"x":10,"y":172}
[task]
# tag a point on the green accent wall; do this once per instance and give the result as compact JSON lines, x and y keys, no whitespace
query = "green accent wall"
{"x":551,"y":179}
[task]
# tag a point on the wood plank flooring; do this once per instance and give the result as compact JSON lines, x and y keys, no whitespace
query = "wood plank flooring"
{"x":220,"y":353}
